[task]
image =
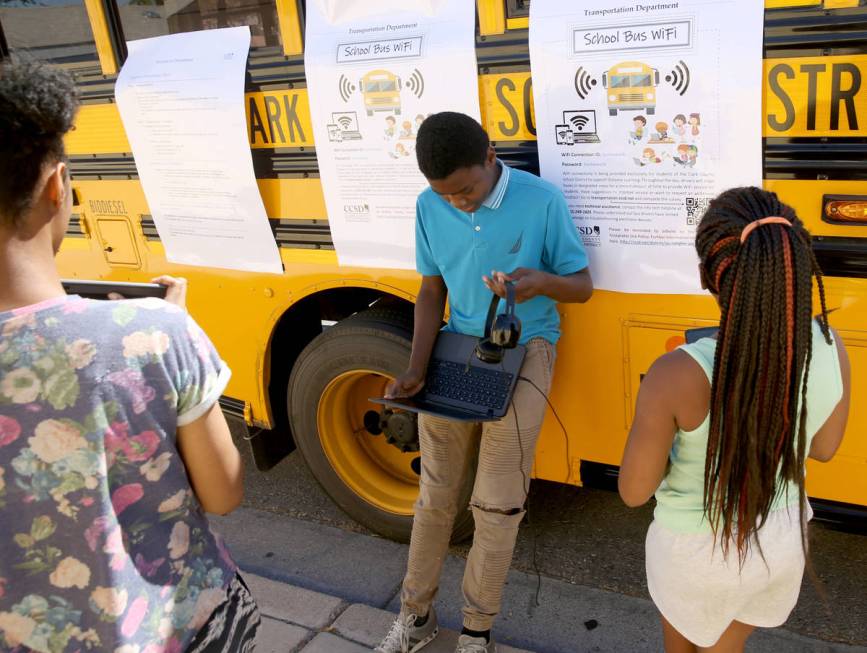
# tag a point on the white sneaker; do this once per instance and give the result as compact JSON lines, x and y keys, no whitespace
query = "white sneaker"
{"x":467,"y":644}
{"x":406,"y":637}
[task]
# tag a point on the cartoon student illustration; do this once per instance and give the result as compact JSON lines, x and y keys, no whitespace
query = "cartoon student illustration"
{"x":648,"y":157}
{"x":419,"y":119}
{"x":662,"y":131}
{"x":687,"y":155}
{"x":390,"y":126}
{"x":680,"y":126}
{"x":637,"y":133}
{"x":399,"y":151}
{"x":406,"y":131}
{"x":695,"y":122}
{"x":661,"y":134}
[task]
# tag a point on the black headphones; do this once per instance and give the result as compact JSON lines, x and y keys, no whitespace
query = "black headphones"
{"x":501,"y":331}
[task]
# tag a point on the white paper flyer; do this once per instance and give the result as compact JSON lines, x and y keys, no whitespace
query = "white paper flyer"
{"x":644,"y":113}
{"x":375,"y":70}
{"x":181,"y":99}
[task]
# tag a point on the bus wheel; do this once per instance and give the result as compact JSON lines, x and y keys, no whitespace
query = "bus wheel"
{"x":373,"y":481}
{"x":651,"y":111}
{"x":612,"y":112}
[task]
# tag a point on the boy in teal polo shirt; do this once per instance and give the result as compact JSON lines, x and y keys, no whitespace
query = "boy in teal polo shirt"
{"x":480,"y":225}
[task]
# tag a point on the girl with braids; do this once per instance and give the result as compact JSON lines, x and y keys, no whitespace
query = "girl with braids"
{"x":723,"y":428}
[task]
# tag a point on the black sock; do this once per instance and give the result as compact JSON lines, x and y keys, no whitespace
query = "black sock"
{"x":477,"y":633}
{"x":421,"y":621}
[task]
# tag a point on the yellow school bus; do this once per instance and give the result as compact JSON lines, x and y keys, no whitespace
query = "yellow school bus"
{"x":309,"y":347}
{"x":631,"y":85}
{"x":381,"y":91}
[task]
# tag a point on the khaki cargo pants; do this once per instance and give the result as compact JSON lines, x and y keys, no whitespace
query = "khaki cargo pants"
{"x":505,"y":457}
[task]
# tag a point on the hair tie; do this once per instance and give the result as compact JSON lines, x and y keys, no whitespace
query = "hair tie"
{"x":755,"y":224}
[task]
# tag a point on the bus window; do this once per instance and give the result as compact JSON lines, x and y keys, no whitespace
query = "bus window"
{"x":142,"y":19}
{"x":53,"y":30}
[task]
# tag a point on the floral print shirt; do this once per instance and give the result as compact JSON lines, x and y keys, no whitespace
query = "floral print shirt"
{"x":103,"y":545}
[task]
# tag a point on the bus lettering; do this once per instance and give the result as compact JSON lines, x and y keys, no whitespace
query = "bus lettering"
{"x":831,"y":93}
{"x":107,"y":207}
{"x":272,"y":108}
{"x":776,"y":89}
{"x":812,"y":71}
{"x":282,"y":120}
{"x":292,"y":118}
{"x":256,"y":123}
{"x":839,"y":95}
{"x":528,"y":106}
{"x":506,"y":83}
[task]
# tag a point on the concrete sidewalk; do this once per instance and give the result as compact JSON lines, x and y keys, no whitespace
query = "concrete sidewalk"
{"x":326,"y":590}
{"x":295,"y":619}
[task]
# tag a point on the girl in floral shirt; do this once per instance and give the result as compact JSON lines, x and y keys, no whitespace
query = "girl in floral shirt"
{"x":112,"y":444}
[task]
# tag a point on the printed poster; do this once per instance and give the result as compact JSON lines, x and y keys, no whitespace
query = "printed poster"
{"x":375,"y":70}
{"x":644,"y":113}
{"x":181,"y":100}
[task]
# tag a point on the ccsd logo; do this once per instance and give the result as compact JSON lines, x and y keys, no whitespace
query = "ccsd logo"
{"x":356,"y":211}
{"x":591,"y":235}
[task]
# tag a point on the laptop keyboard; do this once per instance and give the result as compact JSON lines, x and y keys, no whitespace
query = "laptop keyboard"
{"x":476,"y":385}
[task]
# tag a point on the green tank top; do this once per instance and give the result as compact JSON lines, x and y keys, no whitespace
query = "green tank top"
{"x":679,"y":498}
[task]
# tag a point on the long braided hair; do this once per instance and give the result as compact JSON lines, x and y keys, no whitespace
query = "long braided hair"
{"x":757,"y":438}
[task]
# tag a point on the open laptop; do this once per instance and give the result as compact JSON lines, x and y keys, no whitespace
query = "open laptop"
{"x":347,"y":121}
{"x":461,"y":387}
{"x":583,"y":125}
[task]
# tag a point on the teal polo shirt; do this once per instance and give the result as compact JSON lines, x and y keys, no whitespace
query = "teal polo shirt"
{"x":523,"y":223}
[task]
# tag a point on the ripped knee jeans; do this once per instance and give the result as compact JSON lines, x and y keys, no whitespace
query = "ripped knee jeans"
{"x":501,"y":454}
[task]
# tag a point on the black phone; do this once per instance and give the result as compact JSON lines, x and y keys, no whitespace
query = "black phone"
{"x":692,"y":335}
{"x":100,"y":289}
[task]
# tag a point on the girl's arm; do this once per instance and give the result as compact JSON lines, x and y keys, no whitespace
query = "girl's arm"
{"x":646,"y":455}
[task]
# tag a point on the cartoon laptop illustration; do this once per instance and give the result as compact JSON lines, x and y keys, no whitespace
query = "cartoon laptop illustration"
{"x":583,"y":125}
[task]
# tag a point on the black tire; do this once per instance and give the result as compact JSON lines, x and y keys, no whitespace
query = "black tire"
{"x":651,"y":111}
{"x":380,"y":340}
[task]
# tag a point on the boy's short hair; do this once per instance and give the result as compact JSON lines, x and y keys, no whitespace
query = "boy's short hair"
{"x":37,"y":108}
{"x":641,"y":118}
{"x":448,"y":141}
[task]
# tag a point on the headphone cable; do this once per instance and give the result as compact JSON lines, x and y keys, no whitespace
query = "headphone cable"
{"x":560,"y":422}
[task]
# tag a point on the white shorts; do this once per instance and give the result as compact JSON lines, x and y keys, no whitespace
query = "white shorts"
{"x":700,"y":592}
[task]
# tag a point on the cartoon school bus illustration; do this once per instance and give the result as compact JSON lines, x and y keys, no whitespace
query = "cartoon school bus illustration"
{"x":631,"y":86}
{"x":381,"y":91}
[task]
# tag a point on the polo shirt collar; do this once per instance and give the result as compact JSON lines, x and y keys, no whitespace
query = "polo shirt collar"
{"x":495,"y":197}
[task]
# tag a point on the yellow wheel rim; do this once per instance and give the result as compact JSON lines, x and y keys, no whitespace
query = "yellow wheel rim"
{"x":376,"y":471}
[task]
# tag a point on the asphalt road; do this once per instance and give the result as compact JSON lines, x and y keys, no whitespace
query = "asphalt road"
{"x":588,"y":537}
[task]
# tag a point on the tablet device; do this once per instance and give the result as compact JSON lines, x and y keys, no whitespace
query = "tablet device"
{"x":101,"y":289}
{"x":693,"y":335}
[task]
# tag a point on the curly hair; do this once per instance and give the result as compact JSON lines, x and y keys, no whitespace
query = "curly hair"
{"x":37,"y":108}
{"x":757,"y":439}
{"x":447,"y":141}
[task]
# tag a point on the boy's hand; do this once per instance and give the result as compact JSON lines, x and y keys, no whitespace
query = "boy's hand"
{"x":528,"y":283}
{"x":407,"y":384}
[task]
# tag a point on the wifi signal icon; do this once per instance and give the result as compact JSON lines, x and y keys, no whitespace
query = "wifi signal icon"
{"x":584,"y":82}
{"x":415,"y":83}
{"x":679,"y":77}
{"x":346,"y":88}
{"x":344,"y":121}
{"x":579,"y":122}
